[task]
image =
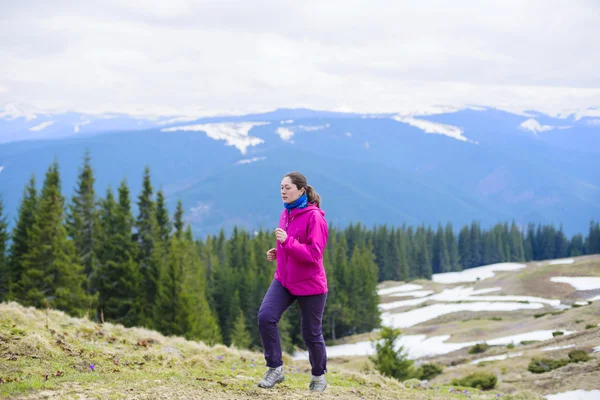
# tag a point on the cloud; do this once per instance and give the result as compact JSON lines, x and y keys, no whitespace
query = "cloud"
{"x":233,"y":133}
{"x":208,"y":57}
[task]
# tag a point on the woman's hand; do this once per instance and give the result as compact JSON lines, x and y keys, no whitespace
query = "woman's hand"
{"x":272,"y":254}
{"x":281,"y":235}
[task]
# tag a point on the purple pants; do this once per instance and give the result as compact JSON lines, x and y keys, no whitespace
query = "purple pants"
{"x":276,"y":301}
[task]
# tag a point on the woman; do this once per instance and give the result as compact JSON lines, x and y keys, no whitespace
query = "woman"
{"x":300,"y":275}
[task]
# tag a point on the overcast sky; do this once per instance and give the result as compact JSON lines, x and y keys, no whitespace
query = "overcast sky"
{"x":222,"y":56}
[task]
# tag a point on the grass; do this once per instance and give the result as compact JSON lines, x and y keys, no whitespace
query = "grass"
{"x":77,"y":358}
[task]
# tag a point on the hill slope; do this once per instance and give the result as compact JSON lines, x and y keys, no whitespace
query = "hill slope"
{"x":76,"y":358}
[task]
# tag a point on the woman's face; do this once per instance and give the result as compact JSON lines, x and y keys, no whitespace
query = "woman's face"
{"x":289,"y":192}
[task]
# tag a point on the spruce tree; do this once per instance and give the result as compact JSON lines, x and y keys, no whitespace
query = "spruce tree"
{"x":178,"y":220}
{"x":149,"y":254}
{"x":5,"y":278}
{"x":465,"y":248}
{"x":20,"y":244}
{"x":82,"y":221}
{"x":117,"y":275}
{"x":240,"y":337}
{"x":51,"y":269}
{"x":452,"y":246}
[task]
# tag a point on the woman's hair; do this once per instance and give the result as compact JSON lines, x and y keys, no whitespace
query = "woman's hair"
{"x":300,"y":181}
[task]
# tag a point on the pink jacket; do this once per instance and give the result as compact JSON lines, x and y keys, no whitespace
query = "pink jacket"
{"x":300,"y":266}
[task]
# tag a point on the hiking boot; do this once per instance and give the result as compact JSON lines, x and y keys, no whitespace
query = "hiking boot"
{"x":317,"y":384}
{"x":272,"y":377}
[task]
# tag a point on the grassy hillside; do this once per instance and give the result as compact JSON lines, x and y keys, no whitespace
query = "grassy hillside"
{"x":49,"y":355}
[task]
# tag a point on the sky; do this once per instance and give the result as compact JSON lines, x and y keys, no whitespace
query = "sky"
{"x":178,"y":57}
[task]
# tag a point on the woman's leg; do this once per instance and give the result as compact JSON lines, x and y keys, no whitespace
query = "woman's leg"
{"x":311,"y":308}
{"x":276,"y":301}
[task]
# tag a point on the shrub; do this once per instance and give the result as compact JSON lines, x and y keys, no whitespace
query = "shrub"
{"x":590,"y":326}
{"x":478,"y":380}
{"x":557,"y":333}
{"x":541,"y":365}
{"x":526,"y":342}
{"x":479,"y":348}
{"x":429,"y":371}
{"x":576,"y":356}
{"x":511,"y":345}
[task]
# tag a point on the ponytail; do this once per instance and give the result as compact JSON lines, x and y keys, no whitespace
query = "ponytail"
{"x":313,"y":196}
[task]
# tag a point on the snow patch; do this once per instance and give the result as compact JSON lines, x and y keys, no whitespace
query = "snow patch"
{"x":594,"y":298}
{"x":579,"y":283}
{"x":466,"y":294}
{"x":552,"y":348}
{"x":416,"y":293}
{"x":284,"y":133}
{"x":417,"y":346}
{"x":41,"y":126}
{"x":575,"y":395}
{"x":420,"y":315}
{"x":407,"y":287}
{"x":434,"y":127}
{"x":233,"y":133}
{"x":534,"y":126}
{"x":250,"y":160}
{"x":494,"y":358}
{"x":562,"y":261}
{"x":198,"y":212}
{"x":312,"y":128}
{"x":597,"y":349}
{"x":475,"y":274}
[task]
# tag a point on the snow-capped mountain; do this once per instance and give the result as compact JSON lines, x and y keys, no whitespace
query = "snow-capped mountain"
{"x":428,"y":166}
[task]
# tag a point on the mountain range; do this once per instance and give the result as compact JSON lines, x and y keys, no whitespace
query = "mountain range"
{"x":435,"y":166}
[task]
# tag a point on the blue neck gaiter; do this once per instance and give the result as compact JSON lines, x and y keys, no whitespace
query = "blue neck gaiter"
{"x":302,"y":202}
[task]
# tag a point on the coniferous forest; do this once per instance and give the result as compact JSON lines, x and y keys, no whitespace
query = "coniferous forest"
{"x":94,"y":255}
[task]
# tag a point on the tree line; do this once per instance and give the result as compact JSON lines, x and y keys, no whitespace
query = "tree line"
{"x":92,"y":256}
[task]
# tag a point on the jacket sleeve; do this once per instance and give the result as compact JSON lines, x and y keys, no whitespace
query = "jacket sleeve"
{"x":316,"y":239}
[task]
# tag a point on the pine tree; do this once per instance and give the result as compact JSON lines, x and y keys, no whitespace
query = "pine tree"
{"x":51,"y":271}
{"x":82,"y":221}
{"x":5,"y":278}
{"x":21,"y":243}
{"x":149,"y":254}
